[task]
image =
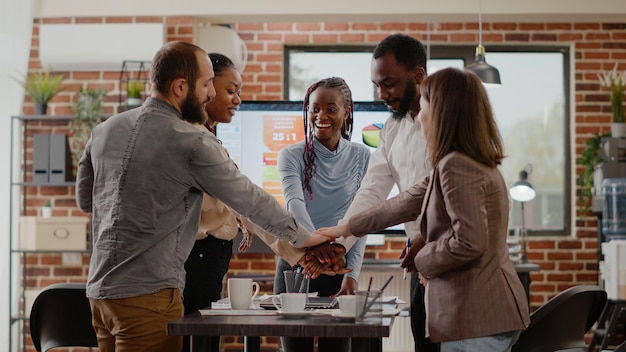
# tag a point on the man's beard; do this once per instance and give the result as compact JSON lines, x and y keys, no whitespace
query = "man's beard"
{"x":192,"y":109}
{"x":410,"y":94}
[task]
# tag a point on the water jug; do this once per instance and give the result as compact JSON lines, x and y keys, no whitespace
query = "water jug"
{"x":614,"y":209}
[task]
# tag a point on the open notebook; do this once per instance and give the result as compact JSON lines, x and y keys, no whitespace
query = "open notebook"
{"x":312,"y":303}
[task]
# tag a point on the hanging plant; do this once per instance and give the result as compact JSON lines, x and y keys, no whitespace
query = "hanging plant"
{"x":89,"y":110}
{"x":589,"y":159}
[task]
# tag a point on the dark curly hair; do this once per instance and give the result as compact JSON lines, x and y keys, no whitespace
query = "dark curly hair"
{"x":408,"y":51}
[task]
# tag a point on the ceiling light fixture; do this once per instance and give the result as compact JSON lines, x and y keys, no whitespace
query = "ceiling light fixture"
{"x":487,"y":73}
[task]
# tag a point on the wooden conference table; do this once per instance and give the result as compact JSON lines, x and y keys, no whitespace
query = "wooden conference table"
{"x":368,"y":337}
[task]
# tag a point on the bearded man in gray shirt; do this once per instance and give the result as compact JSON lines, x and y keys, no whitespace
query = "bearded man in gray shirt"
{"x":142,"y":176}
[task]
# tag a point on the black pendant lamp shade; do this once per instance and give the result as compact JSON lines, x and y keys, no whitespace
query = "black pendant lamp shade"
{"x":487,"y":73}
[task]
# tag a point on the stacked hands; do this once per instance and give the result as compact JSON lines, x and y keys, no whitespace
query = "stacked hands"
{"x":323,"y":256}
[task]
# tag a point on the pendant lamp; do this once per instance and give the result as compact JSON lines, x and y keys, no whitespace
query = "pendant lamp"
{"x":487,"y":73}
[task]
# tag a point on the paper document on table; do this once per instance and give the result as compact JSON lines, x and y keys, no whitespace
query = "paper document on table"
{"x":224,"y":303}
{"x":231,"y":312}
{"x":393,"y":299}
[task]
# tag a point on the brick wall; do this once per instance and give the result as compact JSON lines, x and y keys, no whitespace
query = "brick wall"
{"x":564,"y":261}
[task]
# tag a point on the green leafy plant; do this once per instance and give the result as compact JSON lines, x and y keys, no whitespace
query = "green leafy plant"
{"x":42,"y":86}
{"x":134,"y":89}
{"x":89,"y":108}
{"x":615,"y":81}
{"x":589,"y":159}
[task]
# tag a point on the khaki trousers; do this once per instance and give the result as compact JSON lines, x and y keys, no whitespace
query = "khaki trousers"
{"x":137,"y":323}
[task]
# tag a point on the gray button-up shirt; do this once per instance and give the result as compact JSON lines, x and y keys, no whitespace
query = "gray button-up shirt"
{"x":142,"y":177}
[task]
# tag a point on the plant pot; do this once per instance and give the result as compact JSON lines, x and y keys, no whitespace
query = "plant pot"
{"x":41,"y":108}
{"x":133,"y":101}
{"x":46,"y":212}
{"x":618,"y":129}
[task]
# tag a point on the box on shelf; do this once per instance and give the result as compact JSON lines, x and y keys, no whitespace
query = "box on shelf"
{"x":54,"y":233}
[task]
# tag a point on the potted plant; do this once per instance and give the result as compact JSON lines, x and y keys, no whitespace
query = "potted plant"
{"x":42,"y":87}
{"x":46,"y":210}
{"x":88,"y":114}
{"x":615,"y":81}
{"x":134,"y":89}
{"x":589,"y":159}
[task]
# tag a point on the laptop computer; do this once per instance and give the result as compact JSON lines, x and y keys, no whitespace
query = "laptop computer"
{"x":312,"y":303}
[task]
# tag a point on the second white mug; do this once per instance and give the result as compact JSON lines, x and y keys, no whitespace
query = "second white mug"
{"x":290,"y":302}
{"x":347,"y":305}
{"x":240,"y":293}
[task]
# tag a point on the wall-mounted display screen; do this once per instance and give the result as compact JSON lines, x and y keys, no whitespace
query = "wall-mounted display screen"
{"x":259,"y":130}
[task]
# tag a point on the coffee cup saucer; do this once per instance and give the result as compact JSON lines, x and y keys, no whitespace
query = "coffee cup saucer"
{"x":295,"y":315}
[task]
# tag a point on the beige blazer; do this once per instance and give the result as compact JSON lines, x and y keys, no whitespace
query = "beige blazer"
{"x":217,"y":219}
{"x":473,"y":288}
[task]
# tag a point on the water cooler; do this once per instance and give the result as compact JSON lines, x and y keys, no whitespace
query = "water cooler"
{"x":613,"y":269}
{"x":613,"y":165}
{"x":613,"y":228}
{"x":610,"y":190}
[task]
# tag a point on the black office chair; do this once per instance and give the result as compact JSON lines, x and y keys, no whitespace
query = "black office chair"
{"x":61,"y":317}
{"x":561,"y":323}
{"x":607,"y":331}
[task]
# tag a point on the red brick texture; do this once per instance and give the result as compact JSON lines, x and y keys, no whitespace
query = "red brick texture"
{"x":564,"y":261}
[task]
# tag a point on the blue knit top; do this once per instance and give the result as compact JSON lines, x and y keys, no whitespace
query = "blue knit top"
{"x":336,"y":180}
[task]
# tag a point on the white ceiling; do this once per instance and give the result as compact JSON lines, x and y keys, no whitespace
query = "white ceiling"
{"x":225,"y":11}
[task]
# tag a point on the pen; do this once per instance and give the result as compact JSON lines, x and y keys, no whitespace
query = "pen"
{"x":408,"y":244}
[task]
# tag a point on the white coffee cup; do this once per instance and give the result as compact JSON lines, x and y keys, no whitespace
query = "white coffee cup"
{"x":347,"y":305}
{"x":240,"y":293}
{"x":290,"y":302}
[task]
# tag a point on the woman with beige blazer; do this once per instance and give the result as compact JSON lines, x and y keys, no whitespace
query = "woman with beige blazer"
{"x":474,"y":298}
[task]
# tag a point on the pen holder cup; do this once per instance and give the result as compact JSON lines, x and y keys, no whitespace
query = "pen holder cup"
{"x":369,"y":307}
{"x":296,"y":282}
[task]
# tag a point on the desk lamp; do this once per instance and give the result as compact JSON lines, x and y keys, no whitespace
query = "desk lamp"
{"x":522,"y":191}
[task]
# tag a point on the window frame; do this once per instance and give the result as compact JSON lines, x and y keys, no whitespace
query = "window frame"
{"x":467,"y":54}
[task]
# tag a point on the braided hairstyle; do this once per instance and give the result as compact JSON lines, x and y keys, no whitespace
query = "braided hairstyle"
{"x":346,"y":128}
{"x":220,"y":62}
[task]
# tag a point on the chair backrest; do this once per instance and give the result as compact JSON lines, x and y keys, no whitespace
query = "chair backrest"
{"x":61,"y":317}
{"x":561,"y":323}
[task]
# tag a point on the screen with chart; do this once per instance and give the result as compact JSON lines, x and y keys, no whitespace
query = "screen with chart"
{"x":259,"y":130}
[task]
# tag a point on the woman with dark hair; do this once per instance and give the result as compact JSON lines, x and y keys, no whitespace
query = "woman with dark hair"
{"x":474,"y":298}
{"x":209,"y":259}
{"x":320,"y":177}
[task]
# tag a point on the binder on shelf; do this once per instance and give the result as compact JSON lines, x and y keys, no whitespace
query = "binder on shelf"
{"x":60,"y":159}
{"x":41,"y":158}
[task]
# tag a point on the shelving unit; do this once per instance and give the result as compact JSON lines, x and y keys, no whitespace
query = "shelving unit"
{"x":21,"y":183}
